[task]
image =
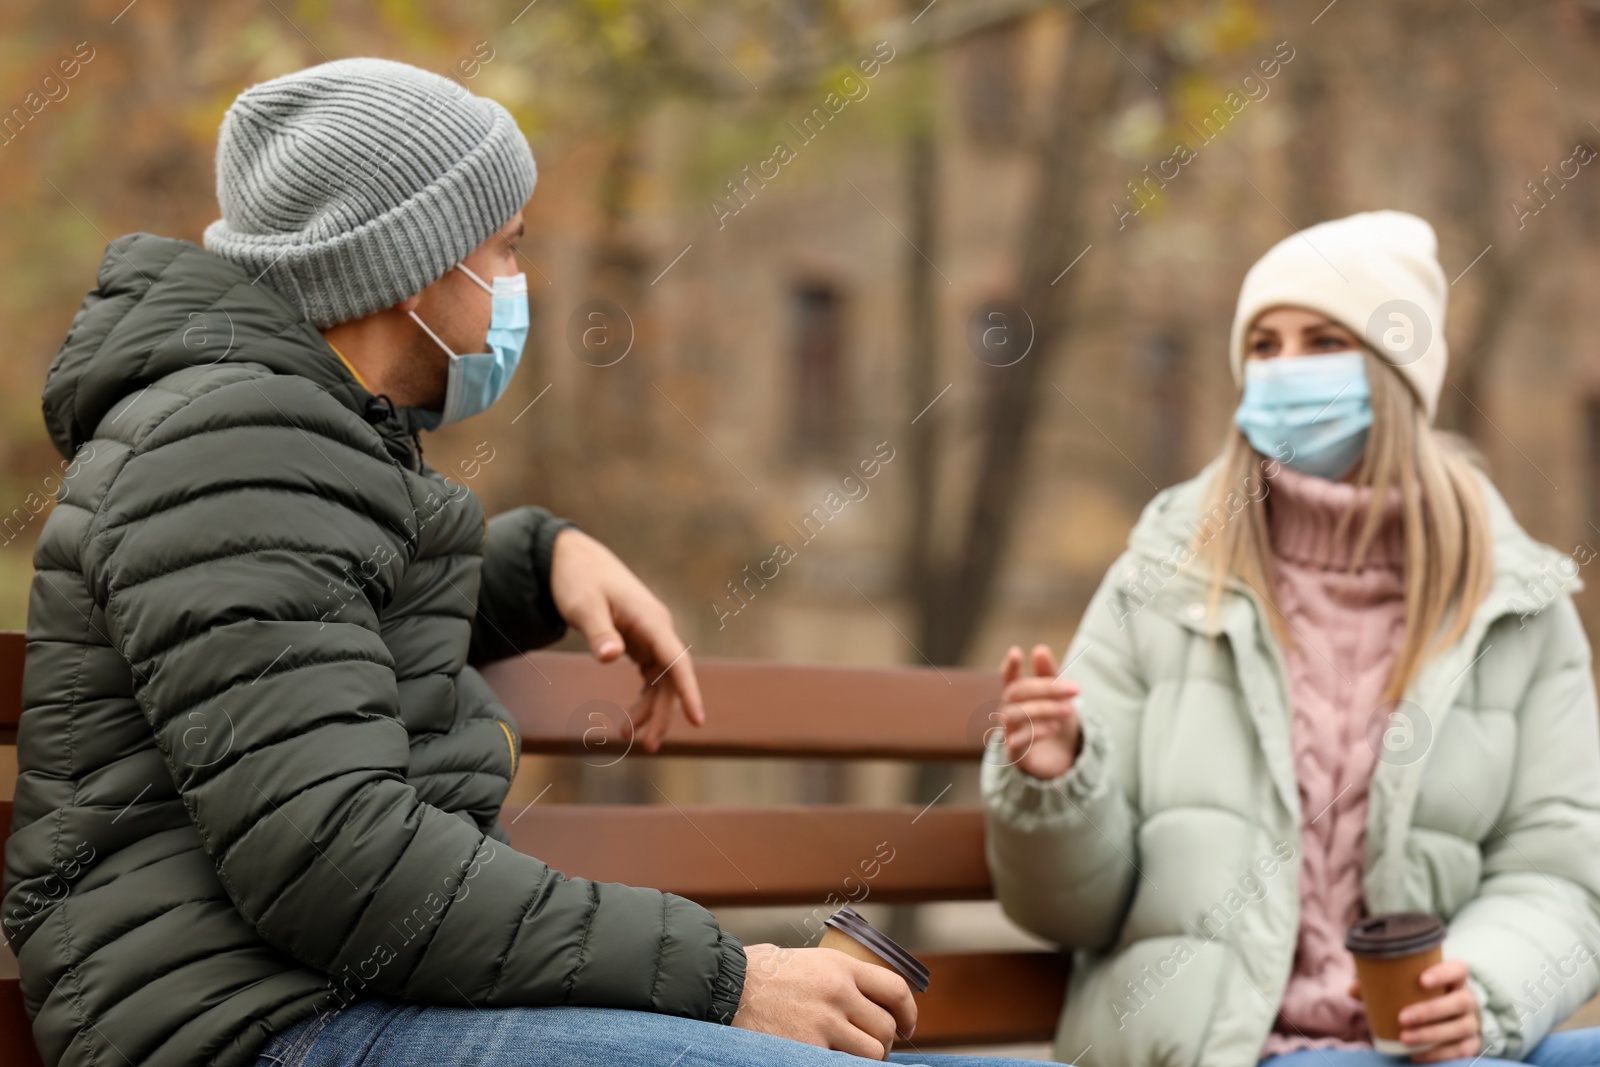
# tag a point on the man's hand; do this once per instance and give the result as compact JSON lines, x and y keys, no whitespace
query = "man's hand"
{"x":825,"y":998}
{"x":1040,"y":715}
{"x":1450,"y":1020}
{"x":604,"y":601}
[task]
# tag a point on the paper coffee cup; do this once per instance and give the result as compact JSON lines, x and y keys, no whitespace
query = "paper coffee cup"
{"x":848,"y":932}
{"x":1391,"y":952}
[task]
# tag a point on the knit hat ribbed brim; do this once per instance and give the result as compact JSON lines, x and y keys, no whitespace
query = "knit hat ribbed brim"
{"x":352,"y":185}
{"x":1378,"y":274}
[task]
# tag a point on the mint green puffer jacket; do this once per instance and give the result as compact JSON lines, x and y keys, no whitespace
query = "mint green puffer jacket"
{"x":1168,"y":857}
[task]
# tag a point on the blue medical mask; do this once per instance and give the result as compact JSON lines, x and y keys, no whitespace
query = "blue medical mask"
{"x":1311,"y":413}
{"x":478,"y":379}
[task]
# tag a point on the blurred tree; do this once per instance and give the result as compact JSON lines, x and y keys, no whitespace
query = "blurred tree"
{"x":1094,"y":74}
{"x":952,"y":598}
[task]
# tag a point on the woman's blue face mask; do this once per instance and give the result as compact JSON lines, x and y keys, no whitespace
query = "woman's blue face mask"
{"x":1311,"y":413}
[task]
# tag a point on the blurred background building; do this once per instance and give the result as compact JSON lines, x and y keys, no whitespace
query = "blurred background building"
{"x":988,"y":248}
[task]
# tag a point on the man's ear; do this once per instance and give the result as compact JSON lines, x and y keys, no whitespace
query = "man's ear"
{"x":409,"y":304}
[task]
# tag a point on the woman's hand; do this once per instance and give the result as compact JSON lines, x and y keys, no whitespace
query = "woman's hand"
{"x":606,"y":602}
{"x":1451,"y":1018}
{"x":1039,"y":714}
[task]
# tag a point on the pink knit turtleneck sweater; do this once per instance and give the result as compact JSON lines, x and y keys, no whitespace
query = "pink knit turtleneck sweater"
{"x":1344,"y":631}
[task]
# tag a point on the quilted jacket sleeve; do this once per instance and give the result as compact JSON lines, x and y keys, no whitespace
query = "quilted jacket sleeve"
{"x":1532,"y":932}
{"x":213,"y":553}
{"x":515,"y":610}
{"x":1061,"y":851}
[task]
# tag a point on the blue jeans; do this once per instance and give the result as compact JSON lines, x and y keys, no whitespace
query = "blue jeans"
{"x":1568,"y":1048}
{"x":387,"y":1033}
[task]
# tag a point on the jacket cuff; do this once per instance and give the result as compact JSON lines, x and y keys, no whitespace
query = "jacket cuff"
{"x":729,"y":986}
{"x":1028,"y":803}
{"x":1492,"y":1034}
{"x":545,"y":528}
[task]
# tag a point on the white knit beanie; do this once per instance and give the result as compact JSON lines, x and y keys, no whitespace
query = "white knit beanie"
{"x":351,"y":185}
{"x":1377,"y":274}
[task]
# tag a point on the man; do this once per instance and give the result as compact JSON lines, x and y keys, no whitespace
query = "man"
{"x":257,"y":807}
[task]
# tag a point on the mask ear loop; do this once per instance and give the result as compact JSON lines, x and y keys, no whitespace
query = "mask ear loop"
{"x":436,"y":340}
{"x":463,"y":268}
{"x":485,"y":286}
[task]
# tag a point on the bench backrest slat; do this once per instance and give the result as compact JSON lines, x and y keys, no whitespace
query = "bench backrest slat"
{"x":13,"y":644}
{"x":565,"y":700}
{"x":765,"y":856}
{"x":566,"y":703}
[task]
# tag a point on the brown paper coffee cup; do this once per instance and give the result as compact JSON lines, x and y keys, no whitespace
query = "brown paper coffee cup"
{"x":1391,"y":952}
{"x":847,"y":931}
{"x":839,"y":942}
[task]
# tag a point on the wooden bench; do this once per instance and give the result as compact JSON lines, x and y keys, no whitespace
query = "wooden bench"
{"x":726,"y":856}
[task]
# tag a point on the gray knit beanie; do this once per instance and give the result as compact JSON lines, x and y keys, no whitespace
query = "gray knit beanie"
{"x":349,"y":186}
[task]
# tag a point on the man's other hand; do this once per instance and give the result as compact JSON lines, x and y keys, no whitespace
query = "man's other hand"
{"x":604,"y":601}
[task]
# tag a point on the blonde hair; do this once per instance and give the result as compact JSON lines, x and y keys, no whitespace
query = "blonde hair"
{"x":1448,"y":562}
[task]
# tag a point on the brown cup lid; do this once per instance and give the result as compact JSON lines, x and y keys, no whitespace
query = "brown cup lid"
{"x":1402,"y":933}
{"x":850,"y":922}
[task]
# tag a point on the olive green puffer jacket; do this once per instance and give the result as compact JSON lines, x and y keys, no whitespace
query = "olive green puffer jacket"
{"x":258,"y":777}
{"x":1168,"y":856}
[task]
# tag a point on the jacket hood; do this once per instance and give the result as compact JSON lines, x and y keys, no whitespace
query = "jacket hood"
{"x":160,"y":305}
{"x":1528,"y":575}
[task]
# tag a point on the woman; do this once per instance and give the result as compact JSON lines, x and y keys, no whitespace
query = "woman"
{"x":1331,"y":677}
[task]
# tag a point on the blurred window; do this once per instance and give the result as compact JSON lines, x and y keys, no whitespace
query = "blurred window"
{"x":992,"y":95}
{"x":1591,"y":428}
{"x":818,"y":312}
{"x":1167,"y":412}
{"x":1586,"y":197}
